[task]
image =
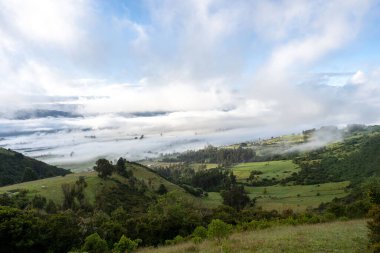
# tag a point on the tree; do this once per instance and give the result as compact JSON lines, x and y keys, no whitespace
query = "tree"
{"x":51,"y":207}
{"x":29,"y":175}
{"x":120,"y":166}
{"x":374,"y":213}
{"x":94,"y":244}
{"x":173,"y":214}
{"x":253,"y":176}
{"x":104,"y":168}
{"x":39,"y":202}
{"x":235,"y":197}
{"x":126,"y":245}
{"x":20,"y":231}
{"x":68,"y":196}
{"x":73,"y":194}
{"x":63,"y":232}
{"x":162,"y":189}
{"x":218,"y":230}
{"x":200,"y":232}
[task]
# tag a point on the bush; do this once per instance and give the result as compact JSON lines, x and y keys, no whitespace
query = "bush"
{"x":218,"y":230}
{"x":200,"y":232}
{"x":162,"y":189}
{"x":94,"y":244}
{"x":197,"y":240}
{"x":176,"y":240}
{"x":126,"y":245}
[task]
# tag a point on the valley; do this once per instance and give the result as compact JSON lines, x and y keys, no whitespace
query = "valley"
{"x":272,"y":183}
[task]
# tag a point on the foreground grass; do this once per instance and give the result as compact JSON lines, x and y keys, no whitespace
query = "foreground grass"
{"x":345,"y":237}
{"x":272,"y":169}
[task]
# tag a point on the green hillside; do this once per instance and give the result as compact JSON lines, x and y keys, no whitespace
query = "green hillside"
{"x":51,"y":187}
{"x":17,"y":168}
{"x":342,"y":237}
{"x":355,"y":158}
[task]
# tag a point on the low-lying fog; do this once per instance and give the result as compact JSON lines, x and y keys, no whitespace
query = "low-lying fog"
{"x":66,"y":141}
{"x":63,"y":141}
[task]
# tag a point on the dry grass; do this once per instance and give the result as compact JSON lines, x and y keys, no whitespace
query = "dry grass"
{"x":344,"y":237}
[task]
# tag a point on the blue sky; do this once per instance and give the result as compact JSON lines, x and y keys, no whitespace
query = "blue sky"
{"x":279,"y":65}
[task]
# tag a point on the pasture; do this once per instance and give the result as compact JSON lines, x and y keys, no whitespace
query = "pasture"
{"x":272,"y":169}
{"x":296,"y":197}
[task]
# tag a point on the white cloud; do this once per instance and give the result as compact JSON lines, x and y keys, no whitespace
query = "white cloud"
{"x":214,"y":64}
{"x":358,"y":78}
{"x":45,"y":21}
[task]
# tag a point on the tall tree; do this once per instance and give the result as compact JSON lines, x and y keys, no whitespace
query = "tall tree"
{"x":29,"y":175}
{"x":104,"y":168}
{"x":235,"y":197}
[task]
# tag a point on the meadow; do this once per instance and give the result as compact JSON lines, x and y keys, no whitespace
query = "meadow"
{"x":271,"y":169}
{"x":340,"y":236}
{"x":50,"y":188}
{"x":296,"y":197}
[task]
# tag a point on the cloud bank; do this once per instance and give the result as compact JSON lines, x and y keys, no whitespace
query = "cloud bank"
{"x":201,"y":68}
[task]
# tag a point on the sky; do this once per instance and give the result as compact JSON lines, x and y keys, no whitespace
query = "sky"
{"x":182,"y":73}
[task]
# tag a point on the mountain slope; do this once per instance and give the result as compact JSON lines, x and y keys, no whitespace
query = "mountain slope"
{"x":355,"y":159}
{"x":17,"y":168}
{"x":51,"y":188}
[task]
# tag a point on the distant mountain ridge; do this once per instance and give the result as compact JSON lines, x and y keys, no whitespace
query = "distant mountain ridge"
{"x":39,"y":113}
{"x":17,"y":168}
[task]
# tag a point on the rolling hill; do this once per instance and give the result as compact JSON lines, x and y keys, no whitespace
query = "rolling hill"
{"x":17,"y":168}
{"x":50,"y":188}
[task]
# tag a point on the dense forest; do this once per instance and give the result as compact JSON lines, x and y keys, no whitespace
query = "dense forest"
{"x":16,"y":168}
{"x":210,"y":154}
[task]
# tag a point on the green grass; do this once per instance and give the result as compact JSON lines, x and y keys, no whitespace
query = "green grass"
{"x":51,"y":187}
{"x":78,"y":167}
{"x":213,"y":199}
{"x":339,"y":237}
{"x":197,"y":166}
{"x":272,"y":169}
{"x":296,"y":197}
{"x":154,"y":179}
{"x":6,"y":152}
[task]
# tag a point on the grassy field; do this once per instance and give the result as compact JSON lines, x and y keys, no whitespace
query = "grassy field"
{"x":272,"y":169}
{"x":195,"y":166}
{"x":213,"y":199}
{"x":51,"y":187}
{"x":78,"y":167}
{"x":297,"y":197}
{"x":344,"y":237}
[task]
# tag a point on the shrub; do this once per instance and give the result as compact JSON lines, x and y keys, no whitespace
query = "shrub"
{"x":162,"y":189}
{"x":94,"y":244}
{"x":176,"y":240}
{"x":126,"y":245}
{"x":200,"y":232}
{"x":218,"y":230}
{"x":197,"y":239}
